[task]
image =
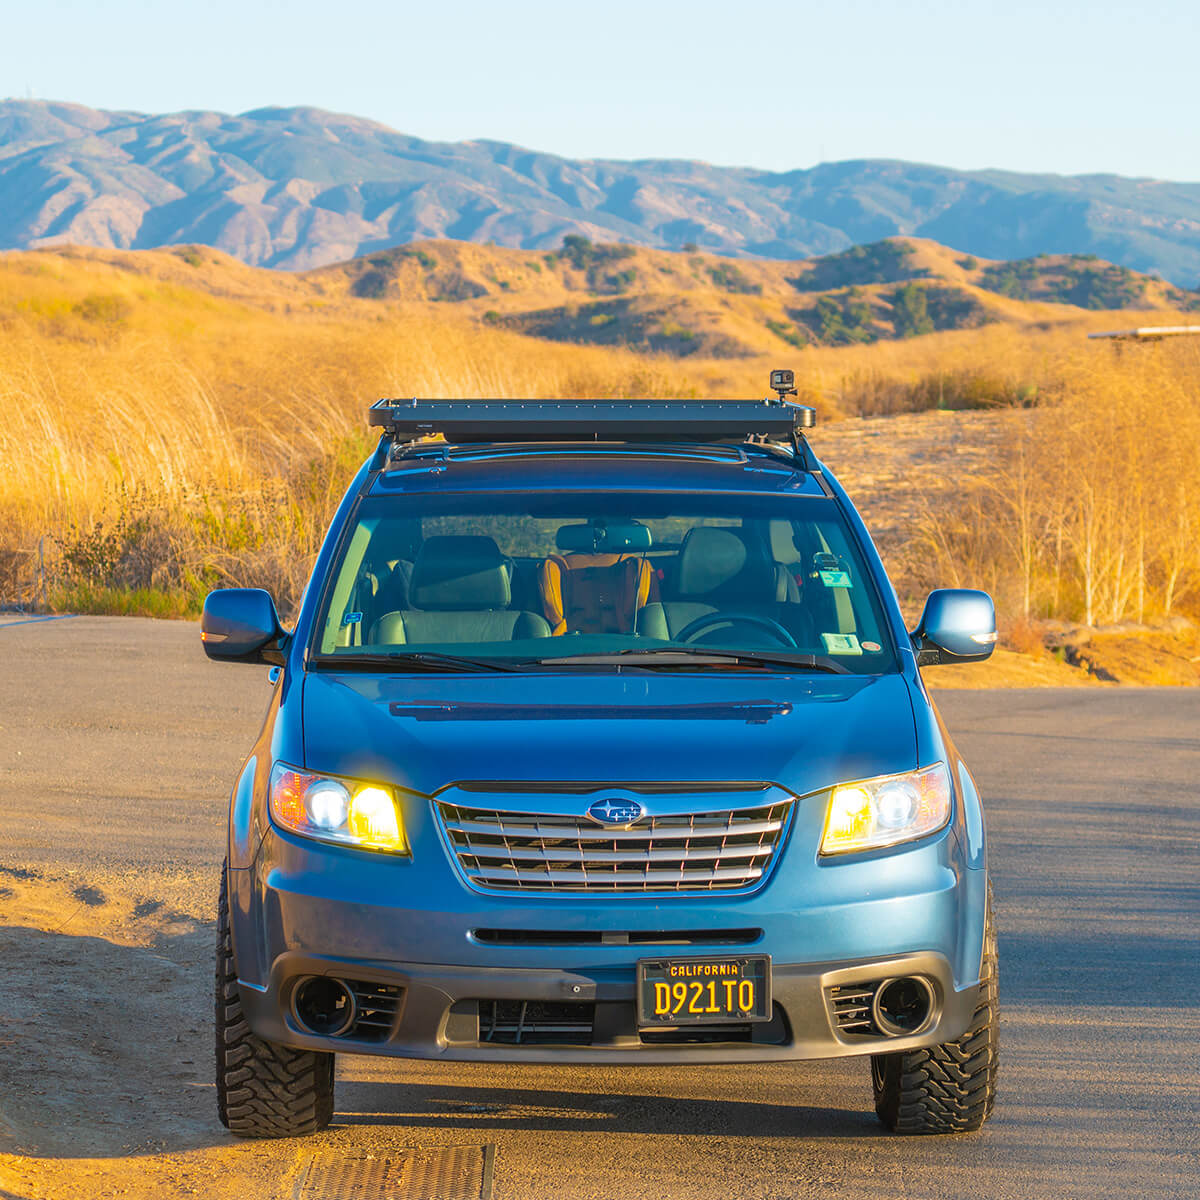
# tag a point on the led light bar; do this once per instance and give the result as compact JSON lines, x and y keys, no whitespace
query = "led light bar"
{"x":593,"y":420}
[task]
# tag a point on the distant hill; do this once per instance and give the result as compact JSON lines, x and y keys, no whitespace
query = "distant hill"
{"x":297,"y":188}
{"x":683,"y":305}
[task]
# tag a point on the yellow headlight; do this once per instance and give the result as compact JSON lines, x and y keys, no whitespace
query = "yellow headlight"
{"x":348,"y":812}
{"x":373,"y":820}
{"x":889,"y":809}
{"x":849,"y":815}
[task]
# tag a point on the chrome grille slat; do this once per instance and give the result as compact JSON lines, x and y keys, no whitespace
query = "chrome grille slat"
{"x":551,"y":876}
{"x":504,"y":850}
{"x":597,"y":833}
{"x":566,"y":854}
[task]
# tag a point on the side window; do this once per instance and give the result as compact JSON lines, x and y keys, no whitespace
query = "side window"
{"x":343,"y":621}
{"x":833,"y":590}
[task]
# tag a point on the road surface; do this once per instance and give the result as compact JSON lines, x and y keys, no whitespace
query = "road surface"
{"x":118,"y":741}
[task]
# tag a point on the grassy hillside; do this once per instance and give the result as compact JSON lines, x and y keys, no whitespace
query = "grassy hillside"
{"x":172,"y":420}
{"x":699,"y":305}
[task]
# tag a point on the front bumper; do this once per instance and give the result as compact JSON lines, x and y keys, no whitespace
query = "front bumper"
{"x":438,"y":1012}
{"x":411,"y":928}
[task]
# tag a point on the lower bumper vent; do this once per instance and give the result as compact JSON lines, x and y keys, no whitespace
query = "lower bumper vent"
{"x":536,"y":1022}
{"x":631,"y":937}
{"x":376,"y":1006}
{"x":852,"y":1009}
{"x":759,"y":1033}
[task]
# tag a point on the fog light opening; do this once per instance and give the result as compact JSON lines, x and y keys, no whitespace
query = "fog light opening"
{"x":323,"y":1006}
{"x":903,"y":1006}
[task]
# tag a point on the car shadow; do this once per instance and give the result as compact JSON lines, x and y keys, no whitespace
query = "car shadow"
{"x":441,"y":1106}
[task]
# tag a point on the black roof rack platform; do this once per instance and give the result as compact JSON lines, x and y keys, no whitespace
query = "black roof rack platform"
{"x":593,"y":420}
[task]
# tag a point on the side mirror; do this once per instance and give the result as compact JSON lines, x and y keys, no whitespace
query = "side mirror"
{"x":241,"y":625}
{"x":958,"y":625}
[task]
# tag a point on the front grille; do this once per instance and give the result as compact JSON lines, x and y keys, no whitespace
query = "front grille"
{"x":536,"y":1022}
{"x":709,"y":851}
{"x":852,"y":1008}
{"x":376,"y":1005}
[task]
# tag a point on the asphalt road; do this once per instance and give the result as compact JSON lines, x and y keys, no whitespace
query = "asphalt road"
{"x":118,"y":742}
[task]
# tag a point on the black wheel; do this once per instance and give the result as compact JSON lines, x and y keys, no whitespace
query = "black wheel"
{"x":948,"y":1088}
{"x":263,"y":1090}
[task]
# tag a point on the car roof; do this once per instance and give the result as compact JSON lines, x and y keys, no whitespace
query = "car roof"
{"x":584,"y":467}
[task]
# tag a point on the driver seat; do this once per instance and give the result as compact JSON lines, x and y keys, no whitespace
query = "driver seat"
{"x":718,"y":570}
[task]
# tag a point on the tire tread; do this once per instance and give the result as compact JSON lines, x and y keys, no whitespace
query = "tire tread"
{"x":948,"y":1088}
{"x":264,"y":1090}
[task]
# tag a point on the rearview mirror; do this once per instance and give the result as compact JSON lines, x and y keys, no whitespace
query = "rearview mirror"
{"x":603,"y":537}
{"x":241,"y":625}
{"x":958,"y":625}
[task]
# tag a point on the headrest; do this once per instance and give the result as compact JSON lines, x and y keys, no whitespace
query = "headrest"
{"x":603,"y":537}
{"x":711,"y":559}
{"x":460,"y":572}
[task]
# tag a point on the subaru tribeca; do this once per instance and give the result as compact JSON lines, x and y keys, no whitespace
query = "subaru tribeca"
{"x":599,"y":738}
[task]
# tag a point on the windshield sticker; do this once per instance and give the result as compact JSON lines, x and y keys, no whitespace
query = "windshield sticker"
{"x":840,"y":643}
{"x":352,"y":618}
{"x":873,"y":647}
{"x":835,"y":578}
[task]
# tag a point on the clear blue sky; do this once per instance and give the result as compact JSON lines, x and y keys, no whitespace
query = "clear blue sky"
{"x":1040,"y":85}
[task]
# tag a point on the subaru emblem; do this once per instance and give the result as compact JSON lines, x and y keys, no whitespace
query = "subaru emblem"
{"x":614,"y":811}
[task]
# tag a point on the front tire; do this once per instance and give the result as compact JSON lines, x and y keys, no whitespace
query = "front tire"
{"x":264,"y":1090}
{"x":949,"y":1088}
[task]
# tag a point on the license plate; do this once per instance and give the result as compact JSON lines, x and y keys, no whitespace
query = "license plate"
{"x":703,"y":991}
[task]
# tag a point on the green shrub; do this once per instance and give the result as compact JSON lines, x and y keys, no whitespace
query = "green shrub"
{"x":104,"y":309}
{"x":729,"y":278}
{"x":370,"y":285}
{"x":878,"y":262}
{"x":910,"y":312}
{"x":791,"y":334}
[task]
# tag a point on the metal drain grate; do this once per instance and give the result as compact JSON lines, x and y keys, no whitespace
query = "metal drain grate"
{"x":417,"y":1173}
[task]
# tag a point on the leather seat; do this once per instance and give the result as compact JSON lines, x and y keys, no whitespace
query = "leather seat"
{"x":460,"y":591}
{"x":719,"y":570}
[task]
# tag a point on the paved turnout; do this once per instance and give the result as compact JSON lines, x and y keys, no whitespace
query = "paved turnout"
{"x":118,"y":741}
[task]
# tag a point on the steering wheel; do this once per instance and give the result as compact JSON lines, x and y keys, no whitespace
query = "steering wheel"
{"x":692,"y":629}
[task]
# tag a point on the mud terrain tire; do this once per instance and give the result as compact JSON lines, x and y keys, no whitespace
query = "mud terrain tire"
{"x":263,"y":1090}
{"x":948,"y":1088}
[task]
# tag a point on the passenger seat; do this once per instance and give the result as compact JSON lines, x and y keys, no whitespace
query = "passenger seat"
{"x":460,"y":591}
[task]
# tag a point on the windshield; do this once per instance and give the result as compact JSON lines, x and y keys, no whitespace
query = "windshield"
{"x":506,"y":577}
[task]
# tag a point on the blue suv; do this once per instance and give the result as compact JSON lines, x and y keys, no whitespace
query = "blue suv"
{"x":599,"y":738}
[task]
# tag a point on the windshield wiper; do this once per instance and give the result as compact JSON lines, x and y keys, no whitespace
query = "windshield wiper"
{"x":414,"y":660}
{"x":690,"y":656}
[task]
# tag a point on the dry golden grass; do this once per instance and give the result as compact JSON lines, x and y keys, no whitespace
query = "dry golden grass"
{"x":172,"y":420}
{"x":169,"y":438}
{"x":1093,"y":511}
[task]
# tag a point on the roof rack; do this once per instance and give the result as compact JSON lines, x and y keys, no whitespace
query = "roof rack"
{"x":462,"y":421}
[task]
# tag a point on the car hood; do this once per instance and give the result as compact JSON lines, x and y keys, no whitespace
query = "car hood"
{"x":427,"y":732}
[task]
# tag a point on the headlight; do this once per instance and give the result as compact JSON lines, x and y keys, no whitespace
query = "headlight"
{"x":887,"y":810}
{"x":347,"y":811}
